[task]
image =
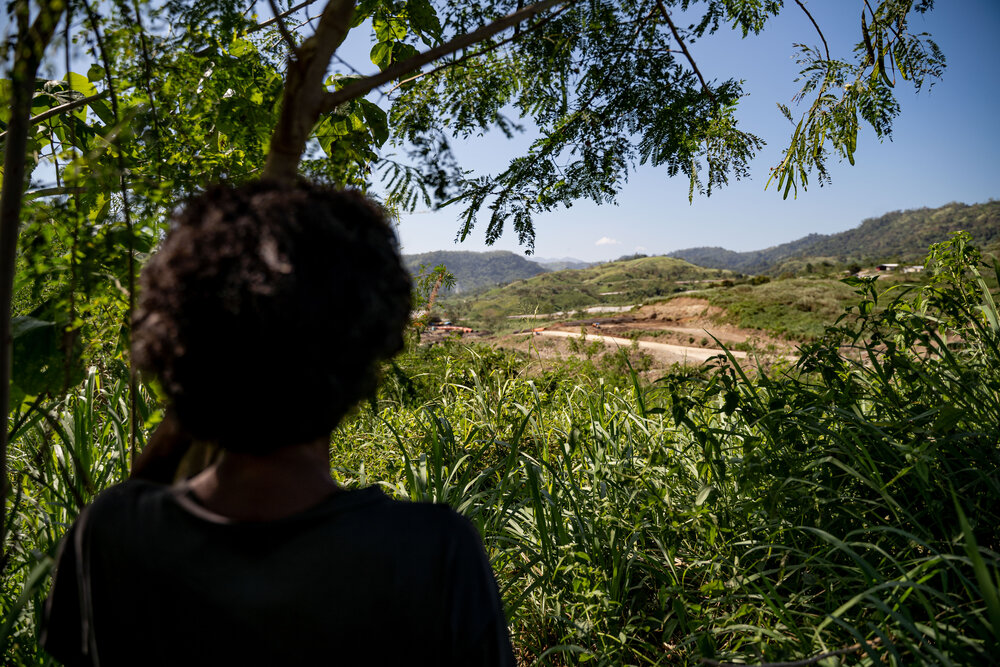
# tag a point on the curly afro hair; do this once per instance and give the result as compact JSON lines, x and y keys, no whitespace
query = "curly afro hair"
{"x":266,"y":310}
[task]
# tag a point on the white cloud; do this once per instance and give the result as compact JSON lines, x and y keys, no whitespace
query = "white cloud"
{"x":640,"y":248}
{"x":605,"y":240}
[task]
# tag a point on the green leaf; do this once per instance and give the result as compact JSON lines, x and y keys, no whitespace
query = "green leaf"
{"x":390,"y":29}
{"x":39,"y":358}
{"x":21,"y":326}
{"x":103,"y":111}
{"x":95,"y":73}
{"x":424,"y":20}
{"x":364,"y":9}
{"x":401,"y":52}
{"x":948,"y":417}
{"x":81,"y":83}
{"x":987,"y":585}
{"x":242,"y":47}
{"x":377,"y":120}
{"x":381,"y":54}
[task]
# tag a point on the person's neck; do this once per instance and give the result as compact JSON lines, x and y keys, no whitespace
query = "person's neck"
{"x":265,"y":487}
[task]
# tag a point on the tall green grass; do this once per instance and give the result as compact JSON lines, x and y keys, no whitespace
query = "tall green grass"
{"x":847,"y":507}
{"x":844,"y":508}
{"x":63,"y":453}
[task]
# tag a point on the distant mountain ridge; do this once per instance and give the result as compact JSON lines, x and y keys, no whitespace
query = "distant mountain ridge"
{"x":476,"y":270}
{"x":899,"y":235}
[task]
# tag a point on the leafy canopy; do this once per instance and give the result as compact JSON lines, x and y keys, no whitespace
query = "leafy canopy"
{"x":609,"y":85}
{"x":148,"y":102}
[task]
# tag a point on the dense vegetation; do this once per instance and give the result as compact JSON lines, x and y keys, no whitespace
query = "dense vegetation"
{"x":476,"y":270}
{"x":895,"y":236}
{"x":708,"y":516}
{"x":847,"y":506}
{"x":795,"y":308}
{"x":621,"y":282}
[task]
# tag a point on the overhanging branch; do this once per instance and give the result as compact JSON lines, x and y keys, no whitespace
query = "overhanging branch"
{"x":278,"y":17}
{"x":282,"y":28}
{"x":476,"y":54}
{"x":301,"y":103}
{"x":305,"y":98}
{"x":358,"y":88}
{"x":62,"y":108}
{"x":826,"y":46}
{"x":684,"y":48}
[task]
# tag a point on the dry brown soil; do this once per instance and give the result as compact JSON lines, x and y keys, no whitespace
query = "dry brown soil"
{"x":678,"y":331}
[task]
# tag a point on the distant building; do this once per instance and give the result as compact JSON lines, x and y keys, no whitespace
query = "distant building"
{"x":887,"y":267}
{"x":917,"y":268}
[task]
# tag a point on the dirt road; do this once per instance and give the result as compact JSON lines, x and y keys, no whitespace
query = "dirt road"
{"x":666,"y":351}
{"x":569,"y":313}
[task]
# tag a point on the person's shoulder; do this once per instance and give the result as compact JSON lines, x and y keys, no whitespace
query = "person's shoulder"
{"x":128,"y":498}
{"x":408,"y":517}
{"x":130,"y":490}
{"x":427,"y":512}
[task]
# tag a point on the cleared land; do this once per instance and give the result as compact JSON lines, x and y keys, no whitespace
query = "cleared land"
{"x":683,"y":330}
{"x":671,"y":354}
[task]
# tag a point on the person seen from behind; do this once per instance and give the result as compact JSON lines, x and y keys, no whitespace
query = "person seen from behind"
{"x":264,"y":316}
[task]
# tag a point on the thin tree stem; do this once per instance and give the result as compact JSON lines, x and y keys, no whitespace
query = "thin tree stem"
{"x":283,"y":29}
{"x":684,"y":48}
{"x":130,"y":232}
{"x":31,"y":43}
{"x":277,"y":17}
{"x":826,"y":46}
{"x":55,"y":111}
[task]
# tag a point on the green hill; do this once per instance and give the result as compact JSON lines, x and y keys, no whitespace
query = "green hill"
{"x":477,"y":270}
{"x":898,"y":236}
{"x":562,"y":263}
{"x":614,"y":283}
{"x":796,"y":308}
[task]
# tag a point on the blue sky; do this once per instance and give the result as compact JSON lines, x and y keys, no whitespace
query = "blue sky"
{"x":945,"y":148}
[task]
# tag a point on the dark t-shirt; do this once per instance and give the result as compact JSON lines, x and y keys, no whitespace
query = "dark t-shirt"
{"x":147,"y":576}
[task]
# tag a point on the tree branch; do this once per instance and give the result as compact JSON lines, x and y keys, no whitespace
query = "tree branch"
{"x":301,"y":103}
{"x":55,"y":111}
{"x":826,"y":46}
{"x":278,"y":17}
{"x":30,"y":47}
{"x":305,"y":99}
{"x":283,"y":29}
{"x":684,"y":48}
{"x":493,"y":47}
{"x":396,"y":70}
{"x":53,"y":192}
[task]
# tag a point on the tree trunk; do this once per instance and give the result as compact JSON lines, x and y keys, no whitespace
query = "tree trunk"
{"x":303,"y":97}
{"x":31,"y":43}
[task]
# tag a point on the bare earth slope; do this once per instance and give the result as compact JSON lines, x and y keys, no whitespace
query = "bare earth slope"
{"x":683,"y":330}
